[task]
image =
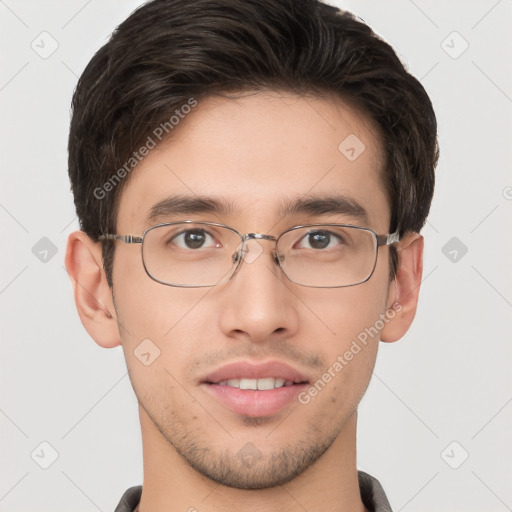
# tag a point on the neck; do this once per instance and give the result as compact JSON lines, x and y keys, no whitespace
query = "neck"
{"x":170,"y":483}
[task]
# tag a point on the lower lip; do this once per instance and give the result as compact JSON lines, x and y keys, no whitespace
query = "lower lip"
{"x":255,"y":403}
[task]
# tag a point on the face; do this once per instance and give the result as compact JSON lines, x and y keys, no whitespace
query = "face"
{"x":255,"y":152}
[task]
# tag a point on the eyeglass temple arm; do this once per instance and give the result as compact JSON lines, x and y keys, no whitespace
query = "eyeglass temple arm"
{"x":127,"y":239}
{"x":388,"y":239}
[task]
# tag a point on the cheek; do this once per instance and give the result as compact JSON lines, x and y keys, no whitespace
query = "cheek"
{"x":158,"y":326}
{"x":157,"y":332}
{"x":349,"y":313}
{"x":146,"y":308}
{"x":351,"y":317}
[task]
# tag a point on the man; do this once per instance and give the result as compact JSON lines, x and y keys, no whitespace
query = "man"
{"x":251,"y":178}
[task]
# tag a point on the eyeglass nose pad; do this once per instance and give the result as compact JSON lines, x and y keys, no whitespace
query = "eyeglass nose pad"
{"x":278,"y":258}
{"x":239,"y":253}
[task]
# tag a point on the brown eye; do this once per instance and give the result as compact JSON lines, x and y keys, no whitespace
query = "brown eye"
{"x":320,"y":240}
{"x":193,"y":239}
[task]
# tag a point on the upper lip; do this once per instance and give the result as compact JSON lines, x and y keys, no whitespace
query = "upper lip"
{"x":248,"y":370}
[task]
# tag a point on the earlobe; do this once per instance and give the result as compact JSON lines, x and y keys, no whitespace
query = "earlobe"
{"x":403,"y":296}
{"x":93,"y":296}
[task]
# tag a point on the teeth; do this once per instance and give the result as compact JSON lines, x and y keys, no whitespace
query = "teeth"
{"x":270,"y":383}
{"x":279,"y":383}
{"x":255,"y":384}
{"x":248,"y":384}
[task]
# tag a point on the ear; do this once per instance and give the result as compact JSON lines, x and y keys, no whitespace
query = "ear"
{"x":93,"y":296}
{"x":404,"y":291}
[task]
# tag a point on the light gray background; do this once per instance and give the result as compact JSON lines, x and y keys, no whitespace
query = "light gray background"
{"x":447,"y":381}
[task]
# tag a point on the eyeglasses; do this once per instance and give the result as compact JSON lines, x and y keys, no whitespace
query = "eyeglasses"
{"x":201,"y":254}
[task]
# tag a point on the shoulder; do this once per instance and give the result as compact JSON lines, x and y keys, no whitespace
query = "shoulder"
{"x":372,"y":493}
{"x":130,"y":499}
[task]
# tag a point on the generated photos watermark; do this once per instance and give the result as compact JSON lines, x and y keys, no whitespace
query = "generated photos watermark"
{"x":152,"y":140}
{"x":355,"y":348}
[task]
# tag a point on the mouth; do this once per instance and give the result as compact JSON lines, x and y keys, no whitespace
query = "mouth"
{"x":257,"y":384}
{"x":255,"y":390}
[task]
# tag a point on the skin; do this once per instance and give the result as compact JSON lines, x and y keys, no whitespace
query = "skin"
{"x":255,"y":151}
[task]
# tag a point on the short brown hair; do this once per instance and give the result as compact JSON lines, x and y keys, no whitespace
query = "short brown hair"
{"x":169,"y":51}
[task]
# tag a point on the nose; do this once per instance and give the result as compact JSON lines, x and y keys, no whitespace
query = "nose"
{"x":258,"y":303}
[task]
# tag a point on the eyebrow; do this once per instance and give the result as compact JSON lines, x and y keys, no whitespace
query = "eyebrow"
{"x":186,"y":205}
{"x":325,"y":205}
{"x":309,"y":205}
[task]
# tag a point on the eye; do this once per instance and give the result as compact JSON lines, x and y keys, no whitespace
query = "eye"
{"x":320,"y":240}
{"x":194,"y":239}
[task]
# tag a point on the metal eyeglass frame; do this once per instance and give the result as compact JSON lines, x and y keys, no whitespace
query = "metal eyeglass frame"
{"x":381,"y":240}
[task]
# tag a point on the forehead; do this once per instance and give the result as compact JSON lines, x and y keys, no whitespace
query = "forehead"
{"x":258,"y":156}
